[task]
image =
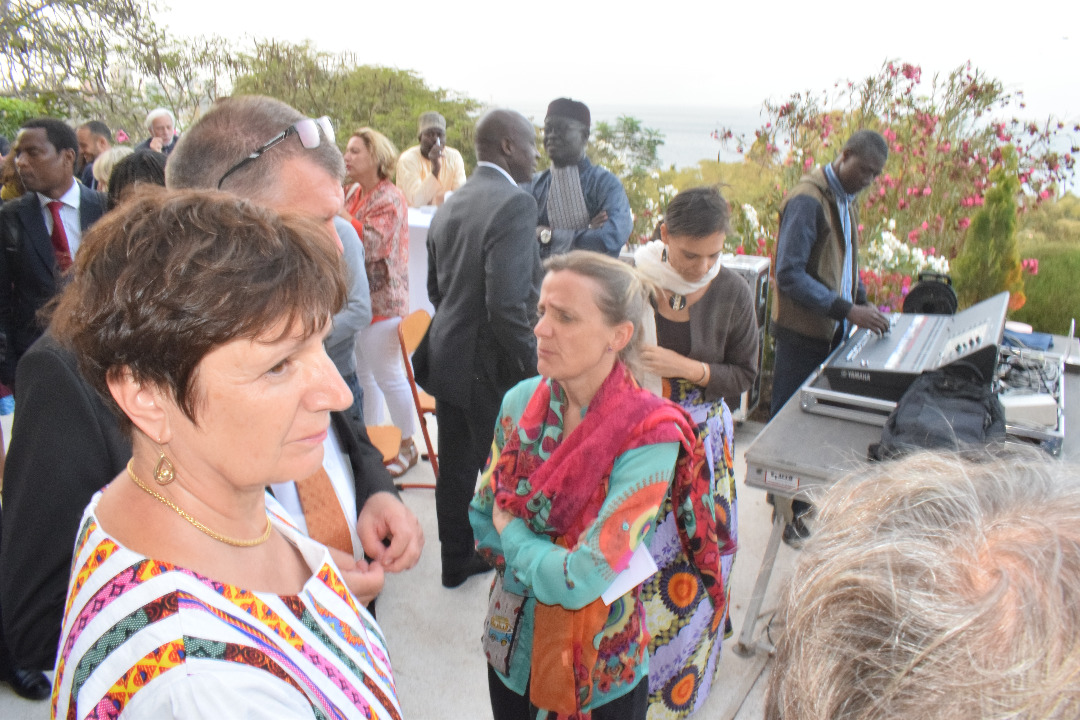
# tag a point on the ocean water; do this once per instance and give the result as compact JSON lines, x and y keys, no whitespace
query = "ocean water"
{"x":686,"y":129}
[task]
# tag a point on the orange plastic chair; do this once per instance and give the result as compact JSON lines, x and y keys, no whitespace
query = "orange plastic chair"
{"x":386,"y":439}
{"x":410,"y":333}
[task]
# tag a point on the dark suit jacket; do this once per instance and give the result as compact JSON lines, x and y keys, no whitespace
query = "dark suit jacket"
{"x":29,"y":277}
{"x":483,"y":279}
{"x":65,"y":446}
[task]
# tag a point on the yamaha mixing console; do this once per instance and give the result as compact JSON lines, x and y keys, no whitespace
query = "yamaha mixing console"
{"x":883,"y":366}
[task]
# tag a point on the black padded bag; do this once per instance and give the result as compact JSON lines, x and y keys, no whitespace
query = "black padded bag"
{"x":952,"y":408}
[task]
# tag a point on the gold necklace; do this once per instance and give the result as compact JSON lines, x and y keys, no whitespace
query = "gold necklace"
{"x":198,"y":525}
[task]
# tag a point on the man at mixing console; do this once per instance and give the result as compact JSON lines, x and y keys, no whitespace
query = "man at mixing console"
{"x":819,"y":296}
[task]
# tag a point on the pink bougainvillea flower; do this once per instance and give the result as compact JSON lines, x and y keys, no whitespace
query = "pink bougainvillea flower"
{"x":926,"y":191}
{"x":121,"y":136}
{"x":963,"y":223}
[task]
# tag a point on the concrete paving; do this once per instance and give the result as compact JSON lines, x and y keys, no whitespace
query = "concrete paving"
{"x":434,"y":633}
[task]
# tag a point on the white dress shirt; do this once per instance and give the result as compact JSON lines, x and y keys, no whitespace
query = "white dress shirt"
{"x":69,"y":215}
{"x":338,"y":466}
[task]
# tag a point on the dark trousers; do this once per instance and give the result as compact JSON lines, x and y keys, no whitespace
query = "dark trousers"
{"x":795,"y":358}
{"x":7,"y":664}
{"x":508,"y":705}
{"x":355,"y":413}
{"x":464,"y":443}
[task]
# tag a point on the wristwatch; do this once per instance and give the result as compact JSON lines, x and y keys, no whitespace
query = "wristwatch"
{"x":544,"y":235}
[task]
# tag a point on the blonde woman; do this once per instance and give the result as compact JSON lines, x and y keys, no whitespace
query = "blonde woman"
{"x":380,"y":214}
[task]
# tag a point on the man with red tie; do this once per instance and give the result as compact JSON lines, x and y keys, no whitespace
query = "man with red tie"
{"x":40,"y":232}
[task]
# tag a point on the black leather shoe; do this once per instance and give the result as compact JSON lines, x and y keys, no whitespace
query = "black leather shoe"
{"x":455,"y":572}
{"x":30,"y":684}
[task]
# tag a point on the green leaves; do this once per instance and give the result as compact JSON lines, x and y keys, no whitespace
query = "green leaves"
{"x":353,"y":95}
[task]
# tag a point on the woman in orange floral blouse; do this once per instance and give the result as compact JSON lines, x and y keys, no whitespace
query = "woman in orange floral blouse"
{"x":380,"y":214}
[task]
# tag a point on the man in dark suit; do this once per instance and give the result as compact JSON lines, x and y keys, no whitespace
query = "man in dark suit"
{"x":94,"y":139}
{"x":483,"y":279}
{"x":40,"y":232}
{"x":66,"y":445}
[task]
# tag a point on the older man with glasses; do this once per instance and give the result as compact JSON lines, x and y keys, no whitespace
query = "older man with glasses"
{"x":66,"y":445}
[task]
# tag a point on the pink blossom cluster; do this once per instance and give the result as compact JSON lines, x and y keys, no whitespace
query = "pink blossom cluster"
{"x":1031,"y":265}
{"x":925,"y":191}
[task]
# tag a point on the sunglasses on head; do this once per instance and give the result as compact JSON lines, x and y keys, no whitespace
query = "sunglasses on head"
{"x":309,"y":130}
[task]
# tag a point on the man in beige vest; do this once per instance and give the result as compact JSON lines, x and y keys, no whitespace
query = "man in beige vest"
{"x":819,"y":296}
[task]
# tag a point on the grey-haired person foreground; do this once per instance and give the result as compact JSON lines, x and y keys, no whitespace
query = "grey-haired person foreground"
{"x":937,"y":587}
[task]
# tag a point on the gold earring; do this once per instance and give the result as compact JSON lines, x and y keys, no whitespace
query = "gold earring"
{"x":663,"y":254}
{"x":163,"y":471}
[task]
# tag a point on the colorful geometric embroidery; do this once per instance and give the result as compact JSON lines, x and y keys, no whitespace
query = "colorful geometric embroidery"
{"x":346,"y":684}
{"x":259,"y":623}
{"x":266,"y":645}
{"x":152,"y":665}
{"x":246,"y":655}
{"x":100,"y":554}
{"x":159,"y":609}
{"x":120,"y":583}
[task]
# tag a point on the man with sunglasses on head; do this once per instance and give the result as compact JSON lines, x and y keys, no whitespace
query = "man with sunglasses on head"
{"x":66,"y":445}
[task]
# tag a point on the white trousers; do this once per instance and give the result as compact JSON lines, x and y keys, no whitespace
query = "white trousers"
{"x":381,"y":372}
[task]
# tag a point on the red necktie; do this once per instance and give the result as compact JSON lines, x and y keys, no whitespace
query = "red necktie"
{"x":59,"y":237}
{"x":322,"y":512}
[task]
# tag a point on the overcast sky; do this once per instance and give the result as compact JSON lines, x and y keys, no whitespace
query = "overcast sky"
{"x":674,"y":52}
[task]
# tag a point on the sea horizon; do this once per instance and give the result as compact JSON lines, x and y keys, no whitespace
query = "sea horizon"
{"x":687,"y":129}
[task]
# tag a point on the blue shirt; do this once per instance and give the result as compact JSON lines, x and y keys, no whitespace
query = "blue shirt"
{"x":602,"y":191}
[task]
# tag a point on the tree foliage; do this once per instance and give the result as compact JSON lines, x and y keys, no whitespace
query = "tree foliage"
{"x":107,"y":60}
{"x":354,"y":95}
{"x":630,"y":151}
{"x":55,"y":45}
{"x":990,"y":260}
{"x":14,"y":112}
{"x":946,"y":138}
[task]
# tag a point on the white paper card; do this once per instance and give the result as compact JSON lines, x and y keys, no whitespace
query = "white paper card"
{"x":641,"y":568}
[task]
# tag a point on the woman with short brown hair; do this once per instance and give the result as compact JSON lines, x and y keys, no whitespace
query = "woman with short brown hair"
{"x":200,"y":318}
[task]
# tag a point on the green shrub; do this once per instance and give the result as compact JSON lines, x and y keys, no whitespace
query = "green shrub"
{"x":1052,"y":298}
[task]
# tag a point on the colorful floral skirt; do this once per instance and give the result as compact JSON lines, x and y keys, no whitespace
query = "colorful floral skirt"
{"x":686,"y":630}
